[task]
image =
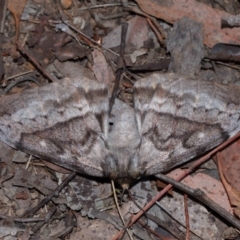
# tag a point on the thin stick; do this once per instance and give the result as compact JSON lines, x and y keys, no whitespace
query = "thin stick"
{"x":120,"y":66}
{"x":186,"y":217}
{"x":28,"y":162}
{"x":89,"y":40}
{"x":100,"y":6}
{"x":18,"y":75}
{"x":34,"y":62}
{"x":159,"y":36}
{"x":166,"y":225}
{"x":119,"y":211}
{"x":32,"y":211}
{"x":202,"y":197}
{"x":23,"y":220}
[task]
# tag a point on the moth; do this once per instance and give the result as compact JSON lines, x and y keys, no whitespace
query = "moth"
{"x":174,"y":119}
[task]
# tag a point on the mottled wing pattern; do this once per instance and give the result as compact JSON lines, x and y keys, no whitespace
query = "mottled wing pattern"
{"x":180,"y":118}
{"x":64,"y":122}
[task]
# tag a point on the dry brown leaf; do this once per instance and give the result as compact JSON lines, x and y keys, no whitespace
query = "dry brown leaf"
{"x":229,"y":158}
{"x":16,"y":7}
{"x":210,"y":186}
{"x":22,"y":195}
{"x":101,"y":68}
{"x":229,"y":169}
{"x":66,"y":4}
{"x":172,"y":11}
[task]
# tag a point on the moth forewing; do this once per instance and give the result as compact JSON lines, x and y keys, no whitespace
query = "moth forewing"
{"x":174,"y":119}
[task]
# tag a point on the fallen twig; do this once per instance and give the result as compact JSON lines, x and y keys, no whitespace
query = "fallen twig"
{"x":34,"y":62}
{"x":32,"y":211}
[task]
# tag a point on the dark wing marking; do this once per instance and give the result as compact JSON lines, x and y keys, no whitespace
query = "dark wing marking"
{"x":64,"y":122}
{"x":180,"y":118}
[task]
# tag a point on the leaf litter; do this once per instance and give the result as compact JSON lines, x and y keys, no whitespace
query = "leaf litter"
{"x":85,"y":207}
